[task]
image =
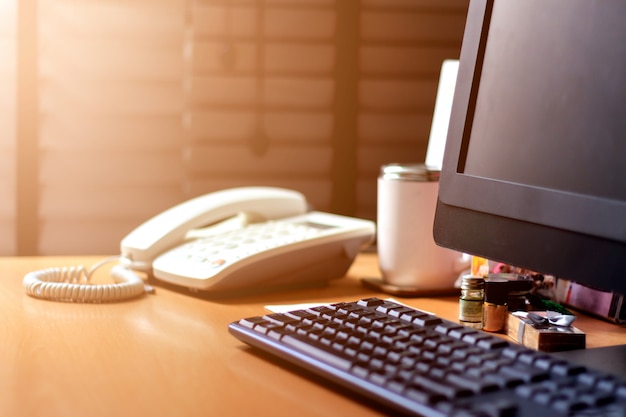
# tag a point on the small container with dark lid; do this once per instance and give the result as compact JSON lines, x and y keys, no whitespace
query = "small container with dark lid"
{"x":495,"y":306}
{"x":519,"y":287}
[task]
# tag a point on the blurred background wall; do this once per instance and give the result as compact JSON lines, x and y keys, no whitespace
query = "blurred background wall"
{"x":111,"y":111}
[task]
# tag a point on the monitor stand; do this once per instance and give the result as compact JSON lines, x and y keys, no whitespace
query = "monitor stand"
{"x":610,"y":359}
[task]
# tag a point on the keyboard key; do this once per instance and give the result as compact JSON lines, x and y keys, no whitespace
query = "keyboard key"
{"x":422,"y":395}
{"x":474,"y":338}
{"x":250,"y":322}
{"x":461,"y":332}
{"x":608,"y":384}
{"x":302,"y":316}
{"x":399,"y":311}
{"x":317,"y":352}
{"x":265,"y":327}
{"x":567,"y":405}
{"x":370,"y":302}
{"x":445,"y":328}
{"x":513,"y":351}
{"x":499,"y":408}
{"x":476,"y":385}
{"x":441,"y":387}
{"x":530,"y":391}
{"x":596,"y":399}
{"x":527,"y":374}
{"x":378,"y":378}
{"x":451,"y":347}
{"x":567,"y":369}
{"x":427,"y":320}
{"x":492,"y":343}
{"x":387,"y":307}
{"x":322,"y":311}
{"x":411,"y":315}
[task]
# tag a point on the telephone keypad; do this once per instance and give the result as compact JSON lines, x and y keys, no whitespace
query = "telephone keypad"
{"x":304,"y":248}
{"x":222,"y":248}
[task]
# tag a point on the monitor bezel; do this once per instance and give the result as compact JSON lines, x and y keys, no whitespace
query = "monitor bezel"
{"x":564,"y":209}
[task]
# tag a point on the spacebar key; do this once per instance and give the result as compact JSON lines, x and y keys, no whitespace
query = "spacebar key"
{"x":317,"y":352}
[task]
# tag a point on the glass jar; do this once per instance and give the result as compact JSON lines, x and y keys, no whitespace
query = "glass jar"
{"x":471,"y":301}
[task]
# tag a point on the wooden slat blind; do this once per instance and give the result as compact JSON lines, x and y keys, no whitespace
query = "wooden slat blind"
{"x":8,"y":84}
{"x":259,"y":109}
{"x":110,"y":132}
{"x":403,"y":44}
{"x":143,"y":104}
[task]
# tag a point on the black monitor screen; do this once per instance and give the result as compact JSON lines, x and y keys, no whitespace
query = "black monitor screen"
{"x":535,"y":166}
{"x":562,"y":87}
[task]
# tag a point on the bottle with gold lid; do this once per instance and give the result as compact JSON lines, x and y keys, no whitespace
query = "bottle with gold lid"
{"x":471,"y":301}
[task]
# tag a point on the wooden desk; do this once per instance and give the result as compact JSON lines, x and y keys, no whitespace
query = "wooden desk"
{"x":170,"y":354}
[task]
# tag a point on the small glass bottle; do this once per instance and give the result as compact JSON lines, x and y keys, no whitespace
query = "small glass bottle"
{"x":471,"y":301}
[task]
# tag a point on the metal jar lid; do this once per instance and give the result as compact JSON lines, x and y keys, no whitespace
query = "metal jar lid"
{"x":470,"y":282}
{"x":409,"y":172}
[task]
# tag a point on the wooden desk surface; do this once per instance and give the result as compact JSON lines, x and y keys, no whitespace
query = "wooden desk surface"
{"x":170,"y":354}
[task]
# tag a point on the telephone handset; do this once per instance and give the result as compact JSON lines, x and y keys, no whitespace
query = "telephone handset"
{"x":227,"y":240}
{"x":169,"y":228}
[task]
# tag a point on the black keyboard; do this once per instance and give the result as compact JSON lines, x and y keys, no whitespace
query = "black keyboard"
{"x":419,"y":364}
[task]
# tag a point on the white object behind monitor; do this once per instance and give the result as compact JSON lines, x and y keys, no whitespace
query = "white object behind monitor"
{"x":441,"y":115}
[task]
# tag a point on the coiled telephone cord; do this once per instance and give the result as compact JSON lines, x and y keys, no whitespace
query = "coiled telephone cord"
{"x":72,"y":284}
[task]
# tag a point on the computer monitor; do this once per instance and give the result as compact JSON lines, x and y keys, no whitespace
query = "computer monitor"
{"x":534,"y":171}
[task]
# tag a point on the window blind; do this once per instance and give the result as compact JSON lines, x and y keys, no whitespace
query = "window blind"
{"x":403,"y":44}
{"x":261,"y":89}
{"x":140,"y":105}
{"x":110,"y":127}
{"x":8,"y":83}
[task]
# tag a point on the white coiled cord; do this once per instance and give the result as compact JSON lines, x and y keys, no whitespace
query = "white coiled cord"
{"x":72,"y":284}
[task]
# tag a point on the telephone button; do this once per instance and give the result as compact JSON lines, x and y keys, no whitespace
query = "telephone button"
{"x":216,"y":263}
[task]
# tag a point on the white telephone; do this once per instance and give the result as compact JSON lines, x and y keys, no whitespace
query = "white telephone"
{"x":250,"y":236}
{"x":223,"y":241}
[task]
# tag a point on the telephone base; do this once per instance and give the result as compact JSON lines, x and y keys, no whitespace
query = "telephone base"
{"x":242,"y":292}
{"x":327,"y":263}
{"x":311,"y":247}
